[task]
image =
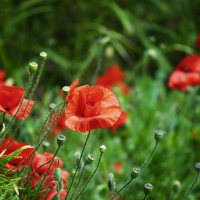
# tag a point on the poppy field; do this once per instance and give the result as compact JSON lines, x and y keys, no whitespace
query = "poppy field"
{"x":99,"y":100}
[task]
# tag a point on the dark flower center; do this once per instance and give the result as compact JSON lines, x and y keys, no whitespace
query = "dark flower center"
{"x":7,"y":109}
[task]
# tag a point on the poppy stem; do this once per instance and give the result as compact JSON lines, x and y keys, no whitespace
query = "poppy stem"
{"x":145,"y":197}
{"x":79,"y":161}
{"x":150,"y":156}
{"x":82,"y":190}
{"x":192,"y":186}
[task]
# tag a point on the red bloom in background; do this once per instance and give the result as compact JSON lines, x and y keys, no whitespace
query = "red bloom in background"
{"x":91,"y":108}
{"x":2,"y":77}
{"x":118,"y":166}
{"x":198,"y":41}
{"x":113,"y":76}
{"x":13,"y":146}
{"x":37,"y":174}
{"x":60,"y":125}
{"x":10,"y":99}
{"x":186,"y":74}
{"x":121,"y":121}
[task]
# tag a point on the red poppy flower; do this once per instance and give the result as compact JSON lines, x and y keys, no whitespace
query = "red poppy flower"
{"x":113,"y":76}
{"x":91,"y":108}
{"x":118,"y":166}
{"x":37,"y":173}
{"x":198,"y":41}
{"x":60,"y":125}
{"x":186,"y":74}
{"x":13,"y":146}
{"x":10,"y":99}
{"x":120,"y":122}
{"x":2,"y":76}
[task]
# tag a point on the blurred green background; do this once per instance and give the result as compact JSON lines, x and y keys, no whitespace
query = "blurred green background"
{"x":82,"y":38}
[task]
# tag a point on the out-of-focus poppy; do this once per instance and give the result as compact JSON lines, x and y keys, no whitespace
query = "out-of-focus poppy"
{"x":91,"y":108}
{"x":113,"y":76}
{"x":197,"y":42}
{"x":10,"y":100}
{"x":186,"y":74}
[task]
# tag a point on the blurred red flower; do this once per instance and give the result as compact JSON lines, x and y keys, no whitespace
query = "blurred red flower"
{"x":10,"y":99}
{"x":118,"y":166}
{"x":91,"y":108}
{"x":39,"y":169}
{"x":13,"y":146}
{"x":120,"y":122}
{"x":113,"y":76}
{"x":60,"y":125}
{"x":186,"y":74}
{"x":2,"y":77}
{"x":197,"y":43}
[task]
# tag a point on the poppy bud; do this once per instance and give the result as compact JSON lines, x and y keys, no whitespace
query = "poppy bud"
{"x":3,"y":128}
{"x":134,"y":173}
{"x":158,"y":135}
{"x":89,"y":159}
{"x":45,"y":144}
{"x":66,"y":90}
{"x":61,"y":140}
{"x":56,"y":197}
{"x":102,"y":148}
{"x":176,"y":186}
{"x":197,"y":167}
{"x":57,"y":174}
{"x":33,"y":67}
{"x":59,"y":186}
{"x":43,"y":56}
{"x":76,"y":161}
{"x":111,"y":182}
{"x":147,"y":188}
{"x":52,"y":106}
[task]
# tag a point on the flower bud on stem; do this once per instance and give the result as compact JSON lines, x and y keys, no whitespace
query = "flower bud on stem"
{"x":92,"y":175}
{"x":134,"y":174}
{"x":197,"y":167}
{"x":147,"y":190}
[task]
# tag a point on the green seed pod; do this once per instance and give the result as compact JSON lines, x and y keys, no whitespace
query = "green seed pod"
{"x":66,"y":90}
{"x":134,"y":173}
{"x":52,"y":106}
{"x":57,"y":174}
{"x":111,"y":182}
{"x":59,"y":186}
{"x":61,"y":140}
{"x":102,"y":148}
{"x":197,"y":167}
{"x":89,"y":159}
{"x":43,"y":56}
{"x":33,"y":67}
{"x":158,"y":135}
{"x":148,"y":188}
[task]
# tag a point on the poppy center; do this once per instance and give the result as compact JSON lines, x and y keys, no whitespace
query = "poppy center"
{"x":7,"y":109}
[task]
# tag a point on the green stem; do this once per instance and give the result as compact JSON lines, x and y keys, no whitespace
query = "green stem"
{"x":122,"y":188}
{"x":72,"y":181}
{"x":145,"y":197}
{"x":192,"y":186}
{"x":3,"y":119}
{"x":82,"y":190}
{"x":150,"y":156}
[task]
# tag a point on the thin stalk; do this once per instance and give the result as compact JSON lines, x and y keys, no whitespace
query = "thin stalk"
{"x":79,"y":161}
{"x":122,"y":188}
{"x":82,"y":190}
{"x":150,"y":156}
{"x":192,"y":186}
{"x":145,"y":197}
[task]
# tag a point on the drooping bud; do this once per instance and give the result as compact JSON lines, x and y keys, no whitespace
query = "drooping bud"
{"x":102,"y":148}
{"x":158,"y":135}
{"x":111,"y":182}
{"x":148,"y":188}
{"x":45,"y":144}
{"x":56,"y":197}
{"x":176,"y":186}
{"x":61,"y":140}
{"x":59,"y":186}
{"x":89,"y":159}
{"x":33,"y":67}
{"x":134,"y":173}
{"x":43,"y":56}
{"x":76,"y":161}
{"x":52,"y":106}
{"x":3,"y":128}
{"x":57,"y":174}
